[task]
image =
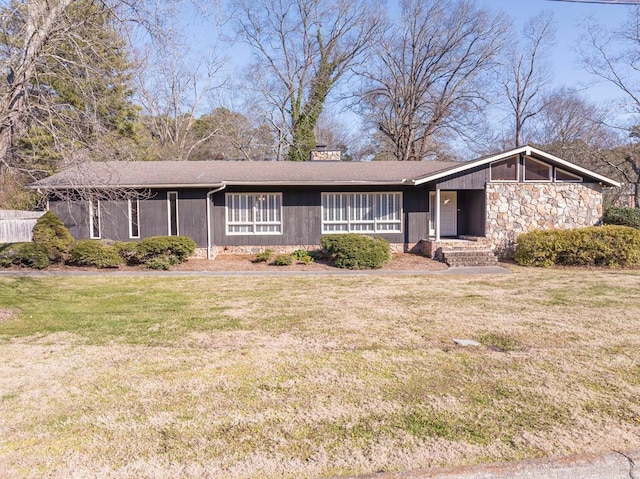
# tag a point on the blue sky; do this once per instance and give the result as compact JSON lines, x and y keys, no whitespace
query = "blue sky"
{"x":569,"y":17}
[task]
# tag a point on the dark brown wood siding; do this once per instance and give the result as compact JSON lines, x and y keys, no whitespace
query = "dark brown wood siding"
{"x":474,"y":179}
{"x":301,"y":216}
{"x":74,"y":215}
{"x":416,"y":208}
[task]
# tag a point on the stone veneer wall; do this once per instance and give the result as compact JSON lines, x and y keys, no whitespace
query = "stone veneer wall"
{"x":514,"y":208}
{"x":287,"y":249}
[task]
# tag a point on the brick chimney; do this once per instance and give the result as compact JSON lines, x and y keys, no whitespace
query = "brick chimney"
{"x":321,"y":153}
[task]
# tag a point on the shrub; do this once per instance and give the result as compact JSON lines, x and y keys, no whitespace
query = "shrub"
{"x":126,"y":250}
{"x":7,"y":254}
{"x":283,"y":260}
{"x":51,"y":233}
{"x":302,"y":255}
{"x":160,"y":263}
{"x":174,"y":249}
{"x":622,"y":216}
{"x":264,"y":256}
{"x":94,"y":253}
{"x":354,"y":251}
{"x":613,"y":246}
{"x":32,"y":255}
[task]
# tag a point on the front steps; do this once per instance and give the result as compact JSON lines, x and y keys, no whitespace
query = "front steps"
{"x":465,"y":251}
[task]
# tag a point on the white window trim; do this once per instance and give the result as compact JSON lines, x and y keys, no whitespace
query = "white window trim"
{"x":524,"y":165}
{"x":253,"y":223}
{"x":516,"y":180}
{"x":169,"y":193}
{"x":129,"y":203}
{"x":375,"y":221}
{"x":578,"y":179}
{"x":92,"y":213}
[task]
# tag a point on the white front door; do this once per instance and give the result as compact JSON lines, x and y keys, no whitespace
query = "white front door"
{"x":448,"y":213}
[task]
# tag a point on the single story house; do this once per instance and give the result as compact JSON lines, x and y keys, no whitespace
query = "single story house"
{"x":242,"y":206}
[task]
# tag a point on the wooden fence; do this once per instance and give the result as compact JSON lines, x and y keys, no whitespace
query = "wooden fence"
{"x":16,"y":226}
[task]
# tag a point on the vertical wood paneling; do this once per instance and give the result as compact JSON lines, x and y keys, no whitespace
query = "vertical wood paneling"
{"x":474,"y":179}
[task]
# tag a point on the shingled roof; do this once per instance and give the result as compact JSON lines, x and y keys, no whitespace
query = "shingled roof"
{"x":207,"y":174}
{"x":156,"y":174}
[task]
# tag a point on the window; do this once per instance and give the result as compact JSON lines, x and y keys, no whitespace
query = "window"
{"x":565,"y":176}
{"x":362,"y":212}
{"x":172,"y":207}
{"x":535,"y":170}
{"x":254,"y":213}
{"x":134,"y":218}
{"x":94,"y":219}
{"x":505,"y":170}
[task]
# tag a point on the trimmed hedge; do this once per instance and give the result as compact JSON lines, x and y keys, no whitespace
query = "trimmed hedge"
{"x":613,"y":246}
{"x":31,"y":255}
{"x":51,"y":232}
{"x":94,"y":253}
{"x":622,"y":216}
{"x":354,"y":251}
{"x":171,"y":249}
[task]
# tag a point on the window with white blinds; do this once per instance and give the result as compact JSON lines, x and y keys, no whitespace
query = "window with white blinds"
{"x":254,"y":213}
{"x":362,"y":212}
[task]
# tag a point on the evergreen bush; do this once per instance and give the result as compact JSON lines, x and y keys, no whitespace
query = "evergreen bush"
{"x":283,"y":260}
{"x":51,"y":233}
{"x":623,"y":216}
{"x":613,"y":246}
{"x":174,"y":249}
{"x":31,"y":255}
{"x":94,"y":253}
{"x":126,"y":250}
{"x":302,"y":255}
{"x":264,"y":256}
{"x":354,"y":251}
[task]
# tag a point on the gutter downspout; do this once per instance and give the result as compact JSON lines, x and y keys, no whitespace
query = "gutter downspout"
{"x":209,"y":217}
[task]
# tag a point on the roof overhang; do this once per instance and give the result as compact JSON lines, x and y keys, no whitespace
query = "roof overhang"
{"x":402,"y":182}
{"x":527,"y":150}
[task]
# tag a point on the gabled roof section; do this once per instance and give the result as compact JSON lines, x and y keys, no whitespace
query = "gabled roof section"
{"x":205,"y":174}
{"x":527,"y":150}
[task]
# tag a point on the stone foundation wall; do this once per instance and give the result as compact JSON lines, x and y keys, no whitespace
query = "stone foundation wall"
{"x":514,"y":208}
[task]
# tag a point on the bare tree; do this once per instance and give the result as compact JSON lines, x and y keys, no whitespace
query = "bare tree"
{"x":570,"y":126}
{"x":57,"y":59}
{"x":173,"y":95}
{"x":526,"y":74}
{"x":303,"y":48}
{"x":33,"y":26}
{"x":613,"y":56}
{"x":426,"y":81}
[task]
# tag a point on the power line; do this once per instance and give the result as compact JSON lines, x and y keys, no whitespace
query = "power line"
{"x":612,"y":2}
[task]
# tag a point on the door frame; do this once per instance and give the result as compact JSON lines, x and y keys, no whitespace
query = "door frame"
{"x":436,"y":200}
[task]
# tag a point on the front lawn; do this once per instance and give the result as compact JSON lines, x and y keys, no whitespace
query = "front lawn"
{"x":271,"y":377}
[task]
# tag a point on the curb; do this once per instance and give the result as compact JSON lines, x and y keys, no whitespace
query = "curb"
{"x":613,"y":465}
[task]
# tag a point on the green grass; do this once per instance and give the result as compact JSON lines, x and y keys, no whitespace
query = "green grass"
{"x":312,"y":377}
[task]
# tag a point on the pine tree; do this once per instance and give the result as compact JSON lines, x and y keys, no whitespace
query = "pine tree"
{"x":71,"y":84}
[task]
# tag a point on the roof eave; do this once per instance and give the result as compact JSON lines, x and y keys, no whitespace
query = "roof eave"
{"x":128,"y":187}
{"x":227,"y":183}
{"x":527,"y":150}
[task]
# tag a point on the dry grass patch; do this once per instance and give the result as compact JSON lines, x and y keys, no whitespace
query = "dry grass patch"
{"x":313,"y":377}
